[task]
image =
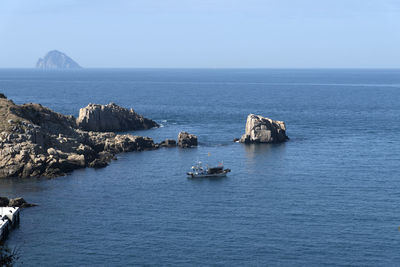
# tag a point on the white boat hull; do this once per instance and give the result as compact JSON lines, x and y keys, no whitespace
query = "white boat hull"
{"x":198,"y":171}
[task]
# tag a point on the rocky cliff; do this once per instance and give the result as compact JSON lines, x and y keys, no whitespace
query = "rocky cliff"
{"x":264,"y":130}
{"x":56,"y":60}
{"x":111,"y":118}
{"x":36,"y":141}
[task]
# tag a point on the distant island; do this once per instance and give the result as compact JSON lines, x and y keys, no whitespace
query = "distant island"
{"x":56,"y":60}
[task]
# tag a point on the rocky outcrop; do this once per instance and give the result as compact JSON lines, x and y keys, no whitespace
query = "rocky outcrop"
{"x":36,"y":141}
{"x":168,"y":143}
{"x":186,"y":140}
{"x":111,"y":118}
{"x":56,"y":60}
{"x":15,"y":202}
{"x":264,"y":130}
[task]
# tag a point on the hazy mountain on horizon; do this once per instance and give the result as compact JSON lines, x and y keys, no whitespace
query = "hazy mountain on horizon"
{"x":56,"y":60}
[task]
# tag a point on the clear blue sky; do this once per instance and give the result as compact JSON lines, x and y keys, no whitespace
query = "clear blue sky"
{"x":203,"y":33}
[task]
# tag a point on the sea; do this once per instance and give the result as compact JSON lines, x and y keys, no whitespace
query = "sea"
{"x":330,"y":196}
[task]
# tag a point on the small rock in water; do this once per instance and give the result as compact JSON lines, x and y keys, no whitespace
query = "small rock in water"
{"x":15,"y":202}
{"x":186,"y":140}
{"x":168,"y":143}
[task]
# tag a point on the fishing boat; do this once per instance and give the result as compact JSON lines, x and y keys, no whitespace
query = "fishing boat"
{"x":198,"y":171}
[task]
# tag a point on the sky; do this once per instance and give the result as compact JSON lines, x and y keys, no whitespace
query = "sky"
{"x":203,"y":33}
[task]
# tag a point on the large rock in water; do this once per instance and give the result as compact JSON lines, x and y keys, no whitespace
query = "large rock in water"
{"x":111,"y":118}
{"x":264,"y":130}
{"x":186,"y":140}
{"x":56,"y":60}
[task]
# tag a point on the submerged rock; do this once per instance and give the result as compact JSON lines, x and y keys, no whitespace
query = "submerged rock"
{"x":186,"y":140}
{"x":111,"y":118}
{"x":56,"y":60}
{"x":264,"y":130}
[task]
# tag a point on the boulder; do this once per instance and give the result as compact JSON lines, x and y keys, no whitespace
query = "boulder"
{"x":102,"y":160}
{"x":15,"y":202}
{"x":264,"y":130}
{"x":52,"y":151}
{"x":88,"y":153}
{"x":76,"y":160}
{"x":186,"y":140}
{"x":168,"y":143}
{"x":128,"y":143}
{"x":111,"y":118}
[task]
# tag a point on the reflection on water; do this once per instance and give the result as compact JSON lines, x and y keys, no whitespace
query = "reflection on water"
{"x":16,"y":187}
{"x":254,"y":151}
{"x":263,"y":154}
{"x":208,"y":179}
{"x":33,"y":189}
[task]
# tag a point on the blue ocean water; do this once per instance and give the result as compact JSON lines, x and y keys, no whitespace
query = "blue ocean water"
{"x":329,"y":196}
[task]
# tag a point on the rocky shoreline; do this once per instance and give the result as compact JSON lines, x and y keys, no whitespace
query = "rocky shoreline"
{"x":38,"y":142}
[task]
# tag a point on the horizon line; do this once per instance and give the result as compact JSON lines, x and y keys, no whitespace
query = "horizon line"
{"x":205,"y":68}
